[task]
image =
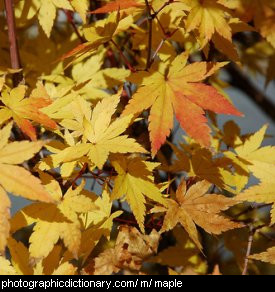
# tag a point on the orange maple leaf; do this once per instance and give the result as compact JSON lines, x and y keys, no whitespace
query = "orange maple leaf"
{"x":23,"y":110}
{"x":178,"y":89}
{"x":196,"y":207}
{"x":116,"y":5}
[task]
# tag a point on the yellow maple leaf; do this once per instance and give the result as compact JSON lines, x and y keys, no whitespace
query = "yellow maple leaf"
{"x":96,"y":34}
{"x":101,"y":136}
{"x":261,"y":12}
{"x":97,"y":223}
{"x":59,"y":220}
{"x":135,"y":182}
{"x":55,"y":147}
{"x":15,"y":179}
{"x":250,"y":157}
{"x":194,"y":207}
{"x":103,"y":211}
{"x":4,"y":72}
{"x":47,"y":13}
{"x":268,"y":256}
{"x":81,"y":7}
{"x":22,"y":264}
{"x":65,"y":269}
{"x":213,"y":20}
{"x":4,"y":218}
{"x":88,"y":80}
{"x":262,"y":193}
{"x":208,"y":16}
{"x":20,"y":257}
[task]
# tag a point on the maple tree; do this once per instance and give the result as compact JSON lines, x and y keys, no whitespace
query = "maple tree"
{"x":110,"y":129}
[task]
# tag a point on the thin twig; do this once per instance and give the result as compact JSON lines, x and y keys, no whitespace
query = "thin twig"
{"x":162,"y":7}
{"x":251,"y":209}
{"x":266,"y":236}
{"x":130,"y":67}
{"x":150,"y":35}
{"x":248,"y":251}
{"x":14,"y":52}
{"x":157,"y":50}
{"x":78,"y":176}
{"x":71,"y":21}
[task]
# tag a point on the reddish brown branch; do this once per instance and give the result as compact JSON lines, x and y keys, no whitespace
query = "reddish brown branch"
{"x":14,"y":52}
{"x":130,"y":67}
{"x":162,"y":7}
{"x":150,"y":34}
{"x":78,"y":176}
{"x":71,"y":21}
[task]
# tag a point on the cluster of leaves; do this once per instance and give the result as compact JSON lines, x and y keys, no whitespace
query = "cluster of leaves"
{"x":88,"y":137}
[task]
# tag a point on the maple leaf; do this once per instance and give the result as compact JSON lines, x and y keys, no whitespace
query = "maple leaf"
{"x":49,"y":162}
{"x":212,"y":20}
{"x":262,"y":193}
{"x":201,"y":163}
{"x":267,"y":257}
{"x":88,"y":80}
{"x":20,"y":257}
{"x":4,"y":219}
{"x":47,"y":13}
{"x":20,"y":262}
{"x":131,"y":248}
{"x":4,"y":72}
{"x":261,"y":12}
{"x":16,"y":179}
{"x":59,"y":220}
{"x":97,"y":34}
{"x":117,"y":5}
{"x":179,"y":89}
{"x":195,"y":207}
{"x":101,"y":136}
{"x":250,"y":157}
{"x":65,"y":269}
{"x":24,"y":109}
{"x":208,"y":16}
{"x":103,"y":211}
{"x":180,"y":255}
{"x":135,"y":182}
{"x":97,"y":223}
{"x":81,"y":7}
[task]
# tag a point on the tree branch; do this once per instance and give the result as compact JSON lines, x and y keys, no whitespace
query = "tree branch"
{"x":14,"y":52}
{"x":150,"y":35}
{"x":239,"y":80}
{"x":248,"y":251}
{"x":70,"y":19}
{"x":130,"y":67}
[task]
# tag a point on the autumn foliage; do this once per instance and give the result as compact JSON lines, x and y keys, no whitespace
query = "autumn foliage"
{"x":109,"y":127}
